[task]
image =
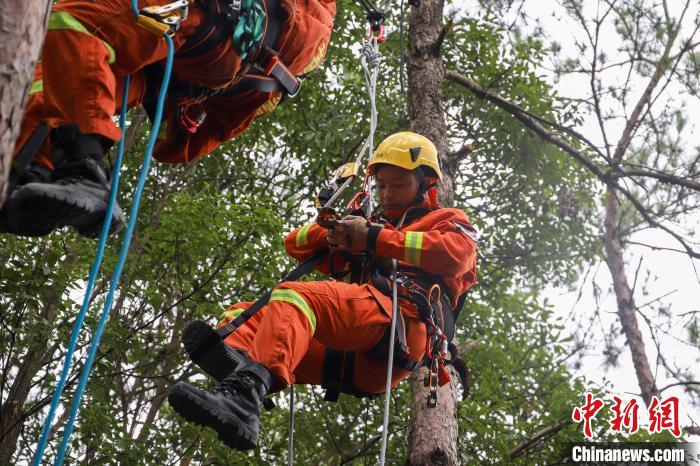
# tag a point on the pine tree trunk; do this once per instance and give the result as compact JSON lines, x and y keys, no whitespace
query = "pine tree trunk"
{"x":22,"y":29}
{"x":433,"y":432}
{"x":626,"y":307}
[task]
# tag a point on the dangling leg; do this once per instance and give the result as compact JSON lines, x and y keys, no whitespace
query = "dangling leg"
{"x":336,"y":314}
{"x":90,"y":46}
{"x":216,"y":357}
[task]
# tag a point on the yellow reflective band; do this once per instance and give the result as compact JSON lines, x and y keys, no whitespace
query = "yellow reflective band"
{"x":269,"y":106}
{"x":232,"y":313}
{"x":414,"y":242}
{"x":302,"y":239}
{"x":316,"y":60}
{"x":292,"y":297}
{"x":64,"y":20}
{"x":37,"y":86}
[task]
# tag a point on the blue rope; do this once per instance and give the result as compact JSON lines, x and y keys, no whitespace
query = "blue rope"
{"x":123,"y":253}
{"x":77,"y":326}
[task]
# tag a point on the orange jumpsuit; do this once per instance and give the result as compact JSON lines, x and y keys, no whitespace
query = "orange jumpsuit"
{"x":91,"y":45}
{"x":291,"y":334}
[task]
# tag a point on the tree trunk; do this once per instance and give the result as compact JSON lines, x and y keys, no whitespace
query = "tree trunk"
{"x":626,"y":308}
{"x":22,"y":29}
{"x":425,"y":74}
{"x":433,"y":431}
{"x":162,"y":386}
{"x":12,"y":410}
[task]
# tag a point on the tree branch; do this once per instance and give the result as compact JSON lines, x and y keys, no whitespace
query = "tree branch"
{"x":634,"y":118}
{"x":537,"y":438}
{"x":690,"y":382}
{"x":532,"y":124}
{"x":663,"y":177}
{"x":527,"y":119}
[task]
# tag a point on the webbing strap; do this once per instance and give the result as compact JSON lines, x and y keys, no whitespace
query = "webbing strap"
{"x":27,"y":153}
{"x":217,"y":27}
{"x":461,"y":367}
{"x":301,"y":270}
{"x":332,"y":373}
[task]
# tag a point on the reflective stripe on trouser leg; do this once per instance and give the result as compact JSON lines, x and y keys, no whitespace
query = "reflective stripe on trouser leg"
{"x":292,"y":297}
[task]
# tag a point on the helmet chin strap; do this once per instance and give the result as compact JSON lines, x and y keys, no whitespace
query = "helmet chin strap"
{"x":427,"y":186}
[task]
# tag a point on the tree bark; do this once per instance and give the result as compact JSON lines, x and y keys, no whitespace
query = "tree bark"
{"x":22,"y":30}
{"x":425,"y":73}
{"x":626,"y":308}
{"x":433,"y":431}
{"x":12,"y":410}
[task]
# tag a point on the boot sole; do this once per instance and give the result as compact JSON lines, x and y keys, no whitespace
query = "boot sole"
{"x":38,"y":213}
{"x":198,"y":411}
{"x":206,"y":349}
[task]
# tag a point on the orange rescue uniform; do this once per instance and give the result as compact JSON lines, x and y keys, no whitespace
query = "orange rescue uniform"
{"x":91,"y":45}
{"x":291,"y":334}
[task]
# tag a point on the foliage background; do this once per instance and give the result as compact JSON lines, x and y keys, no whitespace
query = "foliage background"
{"x":210,"y":234}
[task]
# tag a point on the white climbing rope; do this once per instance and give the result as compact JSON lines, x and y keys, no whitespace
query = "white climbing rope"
{"x":290,"y":443}
{"x":370,"y":59}
{"x":390,"y":362}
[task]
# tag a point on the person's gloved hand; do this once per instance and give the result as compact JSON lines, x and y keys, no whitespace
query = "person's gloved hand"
{"x":349,"y":235}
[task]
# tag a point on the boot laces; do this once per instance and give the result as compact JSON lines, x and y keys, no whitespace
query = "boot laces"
{"x":236,"y":385}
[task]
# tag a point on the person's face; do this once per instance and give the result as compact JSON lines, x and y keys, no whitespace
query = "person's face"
{"x":396,"y":187}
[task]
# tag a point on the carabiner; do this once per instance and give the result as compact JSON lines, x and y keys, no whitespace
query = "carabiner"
{"x":376,"y":30}
{"x":191,"y":123}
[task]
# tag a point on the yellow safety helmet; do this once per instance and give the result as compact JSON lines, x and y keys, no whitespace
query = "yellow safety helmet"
{"x":406,"y":150}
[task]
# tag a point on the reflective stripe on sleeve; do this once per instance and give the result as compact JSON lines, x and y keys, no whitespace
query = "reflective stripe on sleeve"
{"x":412,"y":247}
{"x":292,"y":297}
{"x":302,"y":236}
{"x":64,"y":20}
{"x":37,"y":86}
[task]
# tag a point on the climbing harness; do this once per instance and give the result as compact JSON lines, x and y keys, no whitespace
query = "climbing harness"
{"x":254,"y":27}
{"x":114,"y":283}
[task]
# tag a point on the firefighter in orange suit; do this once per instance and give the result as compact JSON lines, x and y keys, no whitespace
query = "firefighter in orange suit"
{"x":234,"y":61}
{"x":333,"y":333}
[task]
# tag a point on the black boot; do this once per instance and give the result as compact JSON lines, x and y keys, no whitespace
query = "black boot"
{"x":33,"y":174}
{"x":209,"y":352}
{"x":232,"y":409}
{"x":77,"y":194}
